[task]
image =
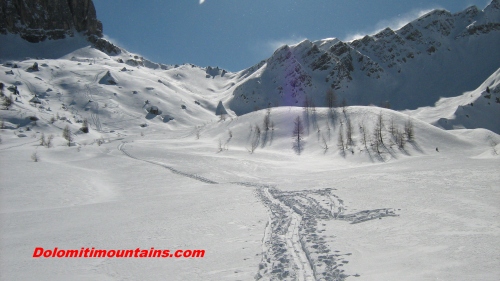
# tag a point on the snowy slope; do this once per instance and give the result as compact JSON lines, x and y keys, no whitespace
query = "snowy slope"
{"x":114,"y":93}
{"x":475,"y":109}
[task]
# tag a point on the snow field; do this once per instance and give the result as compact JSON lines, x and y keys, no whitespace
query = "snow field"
{"x":186,"y":180}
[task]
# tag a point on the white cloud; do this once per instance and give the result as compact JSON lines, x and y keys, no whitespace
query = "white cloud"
{"x":115,"y":41}
{"x":265,"y":48}
{"x":273,"y":44}
{"x":202,"y":1}
{"x":394,"y":23}
{"x":355,"y":36}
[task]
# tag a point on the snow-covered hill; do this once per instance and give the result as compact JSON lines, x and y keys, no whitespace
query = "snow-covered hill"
{"x":114,"y":93}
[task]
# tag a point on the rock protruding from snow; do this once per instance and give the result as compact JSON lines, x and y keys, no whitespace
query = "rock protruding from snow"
{"x":220,"y":110}
{"x":108,"y":79}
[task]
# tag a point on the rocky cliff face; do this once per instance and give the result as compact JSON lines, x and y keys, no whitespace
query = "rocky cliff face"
{"x":38,"y":20}
{"x":439,"y":54}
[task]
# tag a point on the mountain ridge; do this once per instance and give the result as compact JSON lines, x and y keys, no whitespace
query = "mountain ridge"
{"x":392,"y":64}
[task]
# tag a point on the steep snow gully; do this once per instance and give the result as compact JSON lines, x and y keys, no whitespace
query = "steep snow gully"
{"x":293,"y":247}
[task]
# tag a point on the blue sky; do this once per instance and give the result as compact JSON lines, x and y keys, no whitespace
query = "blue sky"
{"x":236,"y":34}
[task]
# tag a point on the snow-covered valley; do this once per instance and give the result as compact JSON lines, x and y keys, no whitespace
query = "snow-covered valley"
{"x":113,"y":151}
{"x":177,"y":192}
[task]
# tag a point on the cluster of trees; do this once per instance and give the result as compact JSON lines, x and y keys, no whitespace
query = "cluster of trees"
{"x":47,"y":142}
{"x":257,"y":137}
{"x":380,"y":137}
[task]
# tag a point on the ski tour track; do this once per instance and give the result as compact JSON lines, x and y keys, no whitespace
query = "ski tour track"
{"x":293,"y":247}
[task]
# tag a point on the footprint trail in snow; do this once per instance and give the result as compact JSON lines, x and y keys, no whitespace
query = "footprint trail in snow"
{"x":293,"y":247}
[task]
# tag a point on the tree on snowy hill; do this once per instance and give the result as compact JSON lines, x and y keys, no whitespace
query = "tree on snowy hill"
{"x":255,"y":140}
{"x":267,"y":120}
{"x":341,"y":141}
{"x":298,"y":133}
{"x":343,"y":104}
{"x":409,"y":131}
{"x":331,"y":98}
{"x":349,"y":140}
{"x":378,"y":136}
{"x":400,"y":139}
{"x":67,"y":135}
{"x":377,"y":133}
{"x":364,"y":135}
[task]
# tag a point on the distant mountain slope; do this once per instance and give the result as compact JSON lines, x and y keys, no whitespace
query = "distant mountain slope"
{"x":438,"y":55}
{"x":475,"y":109}
{"x":114,"y":93}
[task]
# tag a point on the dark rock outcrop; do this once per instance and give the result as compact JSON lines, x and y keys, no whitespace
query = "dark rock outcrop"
{"x":38,"y":20}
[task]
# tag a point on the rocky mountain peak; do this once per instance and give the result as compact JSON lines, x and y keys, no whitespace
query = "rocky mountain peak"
{"x":37,"y":20}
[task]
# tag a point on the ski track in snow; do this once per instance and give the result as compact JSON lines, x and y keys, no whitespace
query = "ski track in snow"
{"x":292,"y":246}
{"x":173,"y":170}
{"x":18,"y":145}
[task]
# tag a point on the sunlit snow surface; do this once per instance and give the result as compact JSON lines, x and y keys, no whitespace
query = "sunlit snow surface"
{"x":184,"y":179}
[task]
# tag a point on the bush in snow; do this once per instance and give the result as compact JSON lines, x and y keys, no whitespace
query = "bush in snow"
{"x":48,"y":142}
{"x":67,"y":135}
{"x":42,"y":140}
{"x":7,"y":101}
{"x":85,"y":126}
{"x":35,"y":157}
